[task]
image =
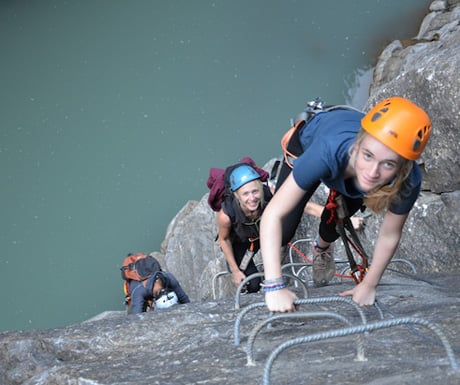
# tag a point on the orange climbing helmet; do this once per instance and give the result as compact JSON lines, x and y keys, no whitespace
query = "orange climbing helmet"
{"x":400,"y":125}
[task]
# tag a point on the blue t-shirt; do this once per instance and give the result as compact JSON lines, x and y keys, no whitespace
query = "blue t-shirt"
{"x":326,"y":140}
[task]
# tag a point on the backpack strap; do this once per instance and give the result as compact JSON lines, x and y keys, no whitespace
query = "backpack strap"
{"x":227,"y":206}
{"x":290,"y":142}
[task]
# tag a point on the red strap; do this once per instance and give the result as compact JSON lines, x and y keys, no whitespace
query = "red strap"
{"x":331,"y":205}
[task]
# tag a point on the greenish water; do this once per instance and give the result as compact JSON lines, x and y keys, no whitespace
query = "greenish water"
{"x":112,"y":113}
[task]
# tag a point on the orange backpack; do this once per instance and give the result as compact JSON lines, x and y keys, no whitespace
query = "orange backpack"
{"x":139,"y":267}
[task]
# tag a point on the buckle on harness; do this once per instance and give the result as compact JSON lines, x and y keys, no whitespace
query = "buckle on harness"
{"x":358,"y":273}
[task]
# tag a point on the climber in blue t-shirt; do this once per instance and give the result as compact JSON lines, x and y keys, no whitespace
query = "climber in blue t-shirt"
{"x":368,"y":159}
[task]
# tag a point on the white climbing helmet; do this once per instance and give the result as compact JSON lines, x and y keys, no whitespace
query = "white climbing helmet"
{"x":166,"y":300}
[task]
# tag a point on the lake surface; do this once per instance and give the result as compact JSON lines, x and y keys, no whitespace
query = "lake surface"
{"x":112,"y":113}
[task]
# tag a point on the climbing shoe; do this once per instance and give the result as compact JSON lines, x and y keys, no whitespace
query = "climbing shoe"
{"x":323,"y":266}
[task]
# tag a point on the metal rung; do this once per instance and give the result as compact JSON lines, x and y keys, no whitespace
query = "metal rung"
{"x":214,"y":279}
{"x":261,"y":274}
{"x":304,"y":301}
{"x":356,"y":330}
{"x":300,"y":315}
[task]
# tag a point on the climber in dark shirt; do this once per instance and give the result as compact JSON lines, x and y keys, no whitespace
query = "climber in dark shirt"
{"x":161,"y":290}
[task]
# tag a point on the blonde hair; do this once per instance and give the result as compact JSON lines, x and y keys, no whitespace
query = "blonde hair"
{"x":261,"y":191}
{"x":381,"y":198}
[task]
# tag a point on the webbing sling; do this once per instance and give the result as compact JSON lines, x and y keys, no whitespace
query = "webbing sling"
{"x":339,"y":214}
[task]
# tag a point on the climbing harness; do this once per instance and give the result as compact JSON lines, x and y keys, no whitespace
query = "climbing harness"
{"x":339,"y":214}
{"x":248,"y":255}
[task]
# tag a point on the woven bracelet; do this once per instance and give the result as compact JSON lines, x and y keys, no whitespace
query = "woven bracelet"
{"x":274,"y":287}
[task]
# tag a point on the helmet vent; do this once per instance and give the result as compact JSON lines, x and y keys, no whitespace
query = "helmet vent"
{"x":376,"y":116}
{"x":416,"y":145}
{"x":424,"y":131}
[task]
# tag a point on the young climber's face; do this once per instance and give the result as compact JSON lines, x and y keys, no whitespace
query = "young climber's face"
{"x":375,"y":164}
{"x":249,"y":195}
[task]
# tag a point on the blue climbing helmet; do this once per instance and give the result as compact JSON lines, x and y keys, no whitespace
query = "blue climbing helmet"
{"x":242,"y":175}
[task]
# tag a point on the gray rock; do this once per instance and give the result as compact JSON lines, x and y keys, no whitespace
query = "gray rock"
{"x":194,"y":343}
{"x":425,"y":70}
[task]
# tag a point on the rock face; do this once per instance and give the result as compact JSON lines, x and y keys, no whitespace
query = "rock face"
{"x":426,"y":71}
{"x":193,"y":343}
